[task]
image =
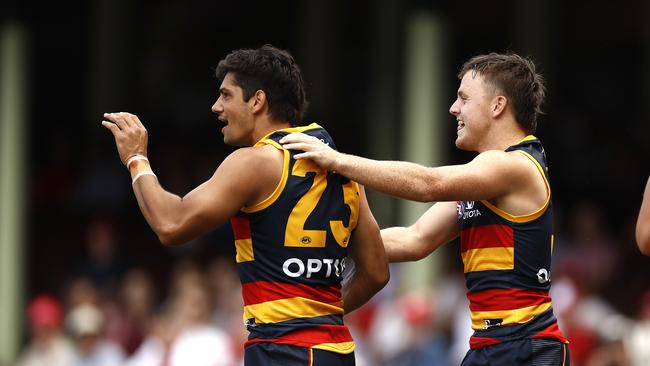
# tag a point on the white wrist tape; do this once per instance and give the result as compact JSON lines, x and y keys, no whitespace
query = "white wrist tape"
{"x":137,"y":176}
{"x":138,"y":166}
{"x":134,"y":158}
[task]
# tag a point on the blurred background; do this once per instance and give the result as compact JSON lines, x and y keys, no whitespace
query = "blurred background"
{"x":81,"y":271}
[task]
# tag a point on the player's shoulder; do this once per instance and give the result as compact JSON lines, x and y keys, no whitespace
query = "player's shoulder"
{"x":254,"y":164}
{"x":495,"y":157}
{"x":510,"y":165}
{"x":254,"y":155}
{"x":501,"y":157}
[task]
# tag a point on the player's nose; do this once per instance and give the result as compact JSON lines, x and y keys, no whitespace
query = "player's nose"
{"x":453,"y":109}
{"x":217,"y":107}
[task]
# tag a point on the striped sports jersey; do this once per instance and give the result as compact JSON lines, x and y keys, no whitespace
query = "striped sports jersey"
{"x":507,"y":262}
{"x":291,"y":251}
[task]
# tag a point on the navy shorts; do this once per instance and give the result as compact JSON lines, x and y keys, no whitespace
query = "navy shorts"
{"x":271,"y":354}
{"x":529,"y":352}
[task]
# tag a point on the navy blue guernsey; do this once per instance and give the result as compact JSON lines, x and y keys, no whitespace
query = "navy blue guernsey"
{"x":507,"y":261}
{"x":291,"y":251}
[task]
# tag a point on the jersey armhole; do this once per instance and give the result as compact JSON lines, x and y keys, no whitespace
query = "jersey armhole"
{"x":531,"y":216}
{"x":283,"y":180}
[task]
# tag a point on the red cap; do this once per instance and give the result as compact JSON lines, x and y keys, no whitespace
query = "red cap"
{"x":417,"y":309}
{"x":45,"y":310}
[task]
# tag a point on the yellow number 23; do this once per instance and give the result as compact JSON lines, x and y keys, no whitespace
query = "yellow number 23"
{"x":296,"y":235}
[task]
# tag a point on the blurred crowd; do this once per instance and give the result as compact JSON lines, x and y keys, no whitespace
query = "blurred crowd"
{"x":110,"y":313}
{"x":113,"y":317}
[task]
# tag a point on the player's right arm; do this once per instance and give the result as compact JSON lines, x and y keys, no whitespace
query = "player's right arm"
{"x":437,"y":226}
{"x":239,"y":181}
{"x":643,"y":222}
{"x":177,"y":220}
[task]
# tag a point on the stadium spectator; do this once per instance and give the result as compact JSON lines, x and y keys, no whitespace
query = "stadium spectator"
{"x":48,"y":344}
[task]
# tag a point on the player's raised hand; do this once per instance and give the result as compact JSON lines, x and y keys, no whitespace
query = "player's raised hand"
{"x":130,"y":135}
{"x":313,"y":148}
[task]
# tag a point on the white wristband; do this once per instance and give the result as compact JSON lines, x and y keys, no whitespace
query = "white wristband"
{"x":137,"y":176}
{"x":134,"y":158}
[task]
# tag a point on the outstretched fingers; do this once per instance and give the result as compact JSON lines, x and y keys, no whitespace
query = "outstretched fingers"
{"x":123,"y":119}
{"x":133,"y":120}
{"x":111,"y":127}
{"x":117,"y":119}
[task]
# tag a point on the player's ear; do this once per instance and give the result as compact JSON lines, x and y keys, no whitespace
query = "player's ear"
{"x":499,"y":104}
{"x":258,"y":101}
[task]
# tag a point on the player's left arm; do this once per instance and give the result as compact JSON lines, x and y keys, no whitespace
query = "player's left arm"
{"x":643,"y":222}
{"x":370,"y":273}
{"x":491,"y":174}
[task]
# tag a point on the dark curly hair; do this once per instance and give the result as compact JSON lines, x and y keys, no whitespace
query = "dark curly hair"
{"x":275,"y":72}
{"x":516,"y":78}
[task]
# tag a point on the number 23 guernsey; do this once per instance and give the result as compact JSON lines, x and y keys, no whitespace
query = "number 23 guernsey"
{"x":291,"y":251}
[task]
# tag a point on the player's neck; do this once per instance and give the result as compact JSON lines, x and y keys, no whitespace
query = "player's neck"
{"x":265,"y":126}
{"x":503,"y":138}
{"x":512,"y":140}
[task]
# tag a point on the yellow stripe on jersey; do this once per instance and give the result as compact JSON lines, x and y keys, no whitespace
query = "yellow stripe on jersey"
{"x":286,"y":309}
{"x":534,"y":215}
{"x":527,"y":138}
{"x":342,"y":348}
{"x":278,"y":189}
{"x":285,"y":169}
{"x":515,"y":316}
{"x":489,"y":259}
{"x":264,"y":139}
{"x":310,"y":126}
{"x":244,"y":248}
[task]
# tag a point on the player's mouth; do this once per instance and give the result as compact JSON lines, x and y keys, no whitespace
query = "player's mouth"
{"x":461,"y":125}
{"x":224,"y":121}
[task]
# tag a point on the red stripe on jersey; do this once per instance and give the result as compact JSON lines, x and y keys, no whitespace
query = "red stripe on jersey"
{"x":241,"y":227}
{"x":552,"y":332}
{"x":478,"y":342}
{"x":263,"y":291}
{"x":486,"y":236}
{"x":308,"y":337}
{"x":506,"y":299}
